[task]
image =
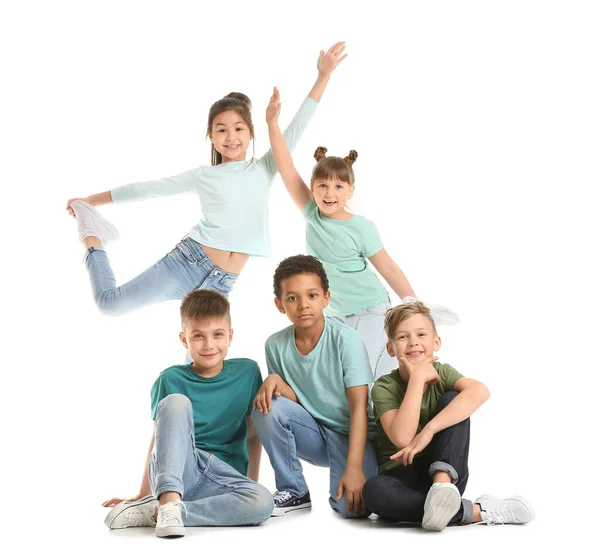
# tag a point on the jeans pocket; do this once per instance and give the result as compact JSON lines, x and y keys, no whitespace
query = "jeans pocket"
{"x":186,"y":252}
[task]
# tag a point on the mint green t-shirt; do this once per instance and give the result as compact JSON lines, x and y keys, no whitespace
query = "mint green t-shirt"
{"x":342,"y":246}
{"x":233,"y":195}
{"x":220,"y":404}
{"x":387,"y":394}
{"x":320,"y":379}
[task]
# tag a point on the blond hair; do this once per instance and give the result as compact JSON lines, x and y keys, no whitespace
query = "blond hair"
{"x":396,"y":315}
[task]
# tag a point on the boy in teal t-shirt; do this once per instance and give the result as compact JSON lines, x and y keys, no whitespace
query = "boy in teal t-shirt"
{"x":314,"y":405}
{"x":204,"y":444}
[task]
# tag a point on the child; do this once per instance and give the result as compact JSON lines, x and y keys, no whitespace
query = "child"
{"x":319,"y":376}
{"x":343,"y":242}
{"x":204,"y":443}
{"x":422,"y":411}
{"x":233,"y":194}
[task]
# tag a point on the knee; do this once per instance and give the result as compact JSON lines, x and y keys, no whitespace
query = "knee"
{"x":373,"y":489}
{"x":264,"y":504}
{"x":277,"y":414}
{"x":174,"y":404}
{"x":107,"y":304}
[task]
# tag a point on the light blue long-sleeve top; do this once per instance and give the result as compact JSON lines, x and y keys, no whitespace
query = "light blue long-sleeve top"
{"x":233,"y":195}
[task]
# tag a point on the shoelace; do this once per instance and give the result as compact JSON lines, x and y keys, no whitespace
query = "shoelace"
{"x":137,"y":518}
{"x":503,"y":515}
{"x":171,"y":511}
{"x":281,"y":497}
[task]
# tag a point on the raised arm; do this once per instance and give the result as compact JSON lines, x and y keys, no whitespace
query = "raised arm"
{"x":144,"y":486}
{"x":392,"y":273}
{"x":294,"y":184}
{"x":326,"y":64}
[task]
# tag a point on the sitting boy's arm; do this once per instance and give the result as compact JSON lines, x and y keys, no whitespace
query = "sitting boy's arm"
{"x":472,"y":394}
{"x":273,"y":386}
{"x":254,"y":451}
{"x":353,"y":478}
{"x":144,"y":487}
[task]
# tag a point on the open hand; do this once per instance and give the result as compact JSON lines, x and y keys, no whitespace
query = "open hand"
{"x":328,"y":61}
{"x":352,"y":482}
{"x":69,"y":209}
{"x":114,"y":501}
{"x":274,"y":107}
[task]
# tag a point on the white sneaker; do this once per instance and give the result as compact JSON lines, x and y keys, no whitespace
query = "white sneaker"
{"x":441,"y":505}
{"x":90,"y":223}
{"x":169,"y":522}
{"x":514,"y":510}
{"x":137,"y":513}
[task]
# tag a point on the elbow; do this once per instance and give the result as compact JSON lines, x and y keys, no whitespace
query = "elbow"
{"x":401,"y":442}
{"x":484,"y":393}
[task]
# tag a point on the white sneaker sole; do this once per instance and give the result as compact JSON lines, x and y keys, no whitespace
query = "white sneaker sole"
{"x":115,"y":515}
{"x":280,"y":512}
{"x":174,"y":531}
{"x":441,"y":506}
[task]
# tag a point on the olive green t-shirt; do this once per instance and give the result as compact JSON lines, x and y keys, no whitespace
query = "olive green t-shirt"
{"x":387,"y":394}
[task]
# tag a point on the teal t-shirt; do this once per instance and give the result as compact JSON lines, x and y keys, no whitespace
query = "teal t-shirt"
{"x":342,"y":246}
{"x":320,"y":379}
{"x":220,"y":404}
{"x":388,"y":393}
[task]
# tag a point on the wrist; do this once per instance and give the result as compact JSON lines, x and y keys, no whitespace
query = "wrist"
{"x":429,"y":428}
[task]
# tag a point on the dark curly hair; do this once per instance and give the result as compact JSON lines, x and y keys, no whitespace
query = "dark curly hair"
{"x":299,"y":264}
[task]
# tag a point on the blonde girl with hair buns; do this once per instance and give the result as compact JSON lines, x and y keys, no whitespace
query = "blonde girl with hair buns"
{"x":233,"y":194}
{"x":344,"y":242}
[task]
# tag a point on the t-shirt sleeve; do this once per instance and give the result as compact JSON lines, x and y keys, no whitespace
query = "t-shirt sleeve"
{"x":292,"y":134}
{"x":167,"y":186}
{"x":310,"y":209}
{"x":158,"y":392}
{"x":370,"y":240}
{"x":256,"y":383}
{"x":356,"y":368}
{"x":448,"y":376}
{"x":384,"y":399}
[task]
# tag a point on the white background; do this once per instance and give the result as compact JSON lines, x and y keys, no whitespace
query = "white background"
{"x":476,"y":125}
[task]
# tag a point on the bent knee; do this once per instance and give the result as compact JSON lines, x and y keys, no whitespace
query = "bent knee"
{"x":175,"y":403}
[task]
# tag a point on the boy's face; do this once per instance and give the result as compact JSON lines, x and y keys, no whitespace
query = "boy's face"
{"x":415,"y":339}
{"x":207,"y":341}
{"x":303,"y":299}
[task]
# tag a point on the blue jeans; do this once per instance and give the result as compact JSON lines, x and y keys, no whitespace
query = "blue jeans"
{"x":213,"y":492}
{"x":185,"y":268}
{"x":289,"y":433}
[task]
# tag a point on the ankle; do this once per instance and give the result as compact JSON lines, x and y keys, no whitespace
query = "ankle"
{"x":476,"y":514}
{"x":441,"y":476}
{"x":166,"y":497}
{"x":91,"y":241}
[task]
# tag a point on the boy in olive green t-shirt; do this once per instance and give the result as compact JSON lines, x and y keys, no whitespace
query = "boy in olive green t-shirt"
{"x":422,"y":411}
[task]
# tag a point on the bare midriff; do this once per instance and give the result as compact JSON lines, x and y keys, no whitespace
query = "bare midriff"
{"x":227,"y":260}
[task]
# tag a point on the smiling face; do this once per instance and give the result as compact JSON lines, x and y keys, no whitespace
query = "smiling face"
{"x":303,"y":300}
{"x":331,"y":196}
{"x":230,"y":136}
{"x":207,"y":341}
{"x":415,"y":339}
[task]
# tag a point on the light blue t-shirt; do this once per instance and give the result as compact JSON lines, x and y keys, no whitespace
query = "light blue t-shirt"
{"x":233,"y":195}
{"x":320,"y":379}
{"x":342,"y":246}
{"x":220,"y":405}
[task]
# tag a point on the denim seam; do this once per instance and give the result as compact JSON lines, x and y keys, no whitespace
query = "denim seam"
{"x":289,"y":454}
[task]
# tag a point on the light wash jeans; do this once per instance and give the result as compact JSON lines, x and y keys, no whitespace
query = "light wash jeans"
{"x":213,"y":492}
{"x":369,"y":324}
{"x":289,"y":433}
{"x":185,"y":268}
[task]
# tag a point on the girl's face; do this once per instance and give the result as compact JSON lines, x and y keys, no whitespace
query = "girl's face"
{"x":331,"y":196}
{"x":230,"y":136}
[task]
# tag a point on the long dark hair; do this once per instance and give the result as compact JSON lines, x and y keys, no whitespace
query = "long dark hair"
{"x":234,"y":101}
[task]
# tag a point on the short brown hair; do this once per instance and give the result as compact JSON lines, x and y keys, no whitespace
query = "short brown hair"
{"x":204,"y":304}
{"x":299,"y":264}
{"x":396,"y":315}
{"x":333,"y":167}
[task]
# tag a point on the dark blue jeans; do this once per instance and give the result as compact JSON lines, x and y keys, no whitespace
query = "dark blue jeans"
{"x":400,"y":493}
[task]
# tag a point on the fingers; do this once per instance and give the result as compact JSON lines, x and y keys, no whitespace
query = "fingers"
{"x":340,"y":490}
{"x":268,"y":401}
{"x":112,"y":502}
{"x":396,"y":456}
{"x":336,"y":47}
{"x":350,"y":502}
